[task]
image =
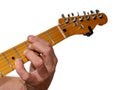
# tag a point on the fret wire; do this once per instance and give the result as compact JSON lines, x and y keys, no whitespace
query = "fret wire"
{"x":53,"y":33}
{"x":3,"y":64}
{"x":23,"y":47}
{"x":5,"y":58}
{"x":62,"y":26}
{"x":57,"y":36}
{"x":16,"y":52}
{"x":10,"y":64}
{"x":49,"y":36}
{"x":61,"y":31}
{"x":26,"y":43}
{"x":10,"y":50}
{"x":9,"y":54}
{"x":2,"y":61}
{"x":5,"y":68}
{"x":20,"y":47}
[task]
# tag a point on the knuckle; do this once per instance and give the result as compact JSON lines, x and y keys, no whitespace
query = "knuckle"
{"x":48,"y":50}
{"x":48,"y":44}
{"x":25,"y":77}
{"x":35,"y":44}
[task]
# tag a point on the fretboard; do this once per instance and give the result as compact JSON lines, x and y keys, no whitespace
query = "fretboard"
{"x":7,"y":58}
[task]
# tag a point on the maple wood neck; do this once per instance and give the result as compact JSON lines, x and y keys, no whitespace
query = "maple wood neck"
{"x":7,"y":58}
{"x":68,"y":26}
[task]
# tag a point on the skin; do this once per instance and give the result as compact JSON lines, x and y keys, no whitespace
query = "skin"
{"x":42,"y":68}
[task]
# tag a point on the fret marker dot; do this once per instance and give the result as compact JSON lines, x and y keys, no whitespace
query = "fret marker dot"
{"x":13,"y":58}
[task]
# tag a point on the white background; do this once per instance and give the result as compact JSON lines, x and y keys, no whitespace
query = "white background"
{"x":83,"y":63}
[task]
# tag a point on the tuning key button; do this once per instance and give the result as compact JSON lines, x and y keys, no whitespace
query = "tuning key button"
{"x":63,"y":16}
{"x":93,"y":17}
{"x":66,"y":20}
{"x":91,"y":12}
{"x":81,"y":18}
{"x":72,"y":14}
{"x":68,"y":15}
{"x":75,"y":24}
{"x":84,"y":12}
{"x":74,"y":19}
{"x":97,"y":11}
{"x":78,"y":13}
{"x":100,"y":16}
{"x":87,"y":16}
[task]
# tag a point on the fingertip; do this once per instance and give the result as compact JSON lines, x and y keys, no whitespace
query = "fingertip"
{"x":30,"y":37}
{"x":19,"y":60}
{"x":30,"y":46}
{"x":20,"y":69}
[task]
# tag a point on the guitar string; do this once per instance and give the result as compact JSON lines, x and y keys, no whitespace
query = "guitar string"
{"x":52,"y":32}
{"x":9,"y":54}
{"x":52,"y":37}
{"x":7,"y":65}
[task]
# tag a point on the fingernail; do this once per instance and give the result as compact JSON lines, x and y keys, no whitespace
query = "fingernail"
{"x":18,"y":60}
{"x":30,"y":37}
{"x":25,"y":51}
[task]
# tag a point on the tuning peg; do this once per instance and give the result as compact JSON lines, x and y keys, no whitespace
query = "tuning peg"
{"x":68,"y":15}
{"x":81,"y":18}
{"x":97,"y":11}
{"x":81,"y":26}
{"x":78,"y":13}
{"x":88,"y":13}
{"x":72,"y":14}
{"x":91,"y":12}
{"x":88,"y":17}
{"x":100,"y":16}
{"x":84,"y":12}
{"x":75,"y":23}
{"x":63,"y":16}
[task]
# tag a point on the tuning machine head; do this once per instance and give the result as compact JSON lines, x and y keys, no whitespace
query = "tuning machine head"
{"x":97,"y":11}
{"x":62,"y":15}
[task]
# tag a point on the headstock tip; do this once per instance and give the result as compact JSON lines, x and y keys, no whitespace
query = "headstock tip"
{"x":103,"y":18}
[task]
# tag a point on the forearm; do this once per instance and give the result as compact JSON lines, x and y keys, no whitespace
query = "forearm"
{"x":12,"y":83}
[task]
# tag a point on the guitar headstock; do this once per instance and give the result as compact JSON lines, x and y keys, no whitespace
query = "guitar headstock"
{"x":84,"y":24}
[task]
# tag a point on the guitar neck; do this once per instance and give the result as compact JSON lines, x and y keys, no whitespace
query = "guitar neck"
{"x":68,"y":26}
{"x":7,"y":58}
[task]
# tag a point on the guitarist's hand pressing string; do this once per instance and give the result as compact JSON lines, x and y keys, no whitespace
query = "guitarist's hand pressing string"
{"x":42,"y":68}
{"x":42,"y":65}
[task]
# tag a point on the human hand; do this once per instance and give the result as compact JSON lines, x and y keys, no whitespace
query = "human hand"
{"x":42,"y":66}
